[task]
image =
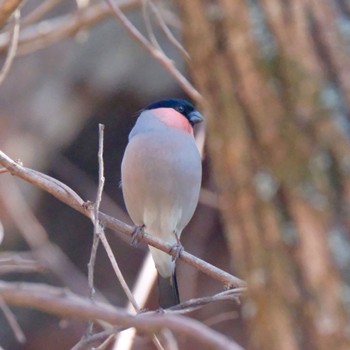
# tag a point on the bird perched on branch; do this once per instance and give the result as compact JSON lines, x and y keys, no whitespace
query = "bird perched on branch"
{"x":161,"y":179}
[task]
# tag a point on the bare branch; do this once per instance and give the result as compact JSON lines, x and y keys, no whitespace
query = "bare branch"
{"x":72,"y":199}
{"x":35,"y":235}
{"x":17,"y":264}
{"x":65,"y":304}
{"x":166,"y":29}
{"x":100,"y":235}
{"x":123,"y":283}
{"x":98,"y":229}
{"x":13,"y":46}
{"x":7,"y":7}
{"x":101,"y":177}
{"x":194,"y":304}
{"x":167,"y":63}
{"x":85,"y":343}
{"x":95,"y":220}
{"x":39,"y":12}
{"x":65,"y":169}
{"x":141,"y":291}
{"x":91,"y":265}
{"x":11,"y":319}
{"x":1,"y":232}
{"x":46,"y":33}
{"x":149,"y":27}
{"x":117,"y":271}
{"x":222,"y":317}
{"x":94,"y":217}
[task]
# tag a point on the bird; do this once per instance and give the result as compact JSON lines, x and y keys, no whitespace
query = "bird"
{"x":161,"y":174}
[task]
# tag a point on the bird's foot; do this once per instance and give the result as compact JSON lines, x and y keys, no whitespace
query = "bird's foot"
{"x":160,"y":311}
{"x":137,"y":233}
{"x":142,"y":311}
{"x":177,"y":248}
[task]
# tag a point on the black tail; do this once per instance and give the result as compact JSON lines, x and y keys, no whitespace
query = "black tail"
{"x":168,"y":291}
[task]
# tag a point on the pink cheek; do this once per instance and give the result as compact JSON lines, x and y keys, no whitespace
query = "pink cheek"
{"x":174,"y":119}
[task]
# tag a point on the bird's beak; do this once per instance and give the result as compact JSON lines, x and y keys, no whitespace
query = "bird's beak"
{"x":195,"y":117}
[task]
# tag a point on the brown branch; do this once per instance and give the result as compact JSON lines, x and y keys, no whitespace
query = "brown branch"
{"x":46,"y":33}
{"x":101,"y":177}
{"x":35,"y":235}
{"x":39,"y":36}
{"x":87,"y":342}
{"x":166,"y":29}
{"x":72,"y":199}
{"x":66,"y":304}
{"x":17,"y":264}
{"x":149,"y":27}
{"x":12,"y":47}
{"x":1,"y":232}
{"x":164,"y":60}
{"x":39,"y":12}
{"x":99,"y":230}
{"x":94,"y":216}
{"x":194,"y":304}
{"x":11,"y":319}
{"x":7,"y":7}
{"x":95,"y":221}
{"x":222,"y":317}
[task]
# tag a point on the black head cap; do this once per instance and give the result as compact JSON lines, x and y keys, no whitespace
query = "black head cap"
{"x":182,"y":106}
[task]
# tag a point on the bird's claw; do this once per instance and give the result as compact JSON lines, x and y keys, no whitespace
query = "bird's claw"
{"x":177,"y":247}
{"x":142,"y":311}
{"x":160,"y":311}
{"x":136,"y":234}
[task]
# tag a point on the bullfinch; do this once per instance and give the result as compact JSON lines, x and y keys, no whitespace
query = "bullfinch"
{"x":161,"y":179}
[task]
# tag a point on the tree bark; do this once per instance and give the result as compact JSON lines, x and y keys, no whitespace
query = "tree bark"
{"x":278,"y":159}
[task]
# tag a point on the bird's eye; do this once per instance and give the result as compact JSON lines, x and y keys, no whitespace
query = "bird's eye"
{"x":180,"y":109}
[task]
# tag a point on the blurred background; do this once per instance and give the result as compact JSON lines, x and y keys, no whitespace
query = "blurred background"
{"x":275,"y":81}
{"x":51,"y":104}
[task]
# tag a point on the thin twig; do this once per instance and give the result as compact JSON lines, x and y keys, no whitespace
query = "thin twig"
{"x":8,"y":7}
{"x":95,"y":212}
{"x":123,"y":283}
{"x":101,"y":177}
{"x":66,"y":195}
{"x":45,"y":33}
{"x":149,"y":27}
{"x":16,"y":264}
{"x":166,"y":29}
{"x":95,"y":219}
{"x":39,"y":12}
{"x":196,"y":303}
{"x":221,"y":317}
{"x":117,"y":271}
{"x":167,"y":63}
{"x":91,"y":267}
{"x":35,"y":235}
{"x":98,"y":229}
{"x":13,"y":46}
{"x":11,"y":319}
{"x":106,"y":343}
{"x":66,"y":169}
{"x":2,"y":233}
{"x":60,"y":302}
{"x":100,"y":235}
{"x":141,"y":291}
{"x":85,"y":343}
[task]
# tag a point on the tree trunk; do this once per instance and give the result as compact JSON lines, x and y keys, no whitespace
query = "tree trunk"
{"x":279,"y":159}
